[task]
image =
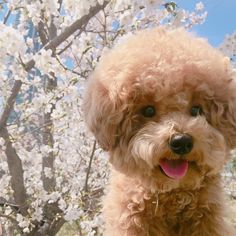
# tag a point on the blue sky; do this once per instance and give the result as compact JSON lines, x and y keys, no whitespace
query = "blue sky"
{"x":221,"y":19}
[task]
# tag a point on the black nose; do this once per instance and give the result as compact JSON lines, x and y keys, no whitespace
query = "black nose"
{"x":181,"y":143}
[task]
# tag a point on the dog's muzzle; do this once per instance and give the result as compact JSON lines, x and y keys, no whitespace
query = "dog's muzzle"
{"x":181,"y":143}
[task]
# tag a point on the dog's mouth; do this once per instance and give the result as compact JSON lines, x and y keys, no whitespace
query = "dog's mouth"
{"x":174,"y":169}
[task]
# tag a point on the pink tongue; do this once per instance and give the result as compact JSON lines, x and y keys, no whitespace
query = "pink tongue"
{"x":175,"y":169}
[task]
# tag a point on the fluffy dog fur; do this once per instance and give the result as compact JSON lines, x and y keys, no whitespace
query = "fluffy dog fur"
{"x":172,"y":71}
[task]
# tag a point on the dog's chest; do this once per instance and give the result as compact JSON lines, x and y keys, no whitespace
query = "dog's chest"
{"x":172,"y":208}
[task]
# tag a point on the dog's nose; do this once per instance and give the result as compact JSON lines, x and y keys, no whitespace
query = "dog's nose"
{"x":181,"y":143}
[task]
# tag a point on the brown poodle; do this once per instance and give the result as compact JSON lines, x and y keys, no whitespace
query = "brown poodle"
{"x":163,"y":104}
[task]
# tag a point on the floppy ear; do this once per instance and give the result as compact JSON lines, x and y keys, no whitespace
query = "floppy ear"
{"x":223,"y":114}
{"x":100,"y":114}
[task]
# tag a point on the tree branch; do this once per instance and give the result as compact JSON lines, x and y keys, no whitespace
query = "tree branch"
{"x":16,"y":172}
{"x":42,"y":33}
{"x":48,"y":160}
{"x":10,"y":103}
{"x":49,"y":183}
{"x":60,"y":5}
{"x":78,"y":24}
{"x":4,"y":202}
{"x":13,"y":160}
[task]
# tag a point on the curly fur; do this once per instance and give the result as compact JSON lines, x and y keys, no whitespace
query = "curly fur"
{"x":171,"y":70}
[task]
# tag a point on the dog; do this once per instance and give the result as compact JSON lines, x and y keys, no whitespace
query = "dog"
{"x":162,"y":103}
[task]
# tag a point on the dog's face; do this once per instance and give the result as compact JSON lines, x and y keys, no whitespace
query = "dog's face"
{"x":163,"y":104}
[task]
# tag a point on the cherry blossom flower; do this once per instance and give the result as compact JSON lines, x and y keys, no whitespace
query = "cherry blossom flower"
{"x":46,"y":56}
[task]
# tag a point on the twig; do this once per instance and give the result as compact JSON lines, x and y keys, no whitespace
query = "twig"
{"x":6,"y":17}
{"x":65,"y":48}
{"x":70,"y":43}
{"x":89,"y":167}
{"x":4,"y":202}
{"x":67,"y":69}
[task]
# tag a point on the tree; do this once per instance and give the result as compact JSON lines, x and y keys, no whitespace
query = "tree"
{"x":228,"y":46}
{"x":50,"y":171}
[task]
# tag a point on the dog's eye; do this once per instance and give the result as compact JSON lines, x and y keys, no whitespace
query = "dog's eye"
{"x":148,"y":111}
{"x":196,"y":110}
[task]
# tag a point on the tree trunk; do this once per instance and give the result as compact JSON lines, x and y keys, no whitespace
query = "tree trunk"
{"x":48,"y":160}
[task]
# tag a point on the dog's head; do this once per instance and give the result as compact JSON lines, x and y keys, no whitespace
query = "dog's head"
{"x":163,"y":103}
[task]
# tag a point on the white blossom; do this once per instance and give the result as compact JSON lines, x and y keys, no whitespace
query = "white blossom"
{"x":23,"y":222}
{"x":199,"y":6}
{"x":53,"y":197}
{"x":42,"y":112}
{"x":48,"y":172}
{"x":73,"y":213}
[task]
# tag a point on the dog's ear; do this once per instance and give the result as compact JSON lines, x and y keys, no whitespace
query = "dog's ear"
{"x":100,"y":114}
{"x":223,"y":113}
